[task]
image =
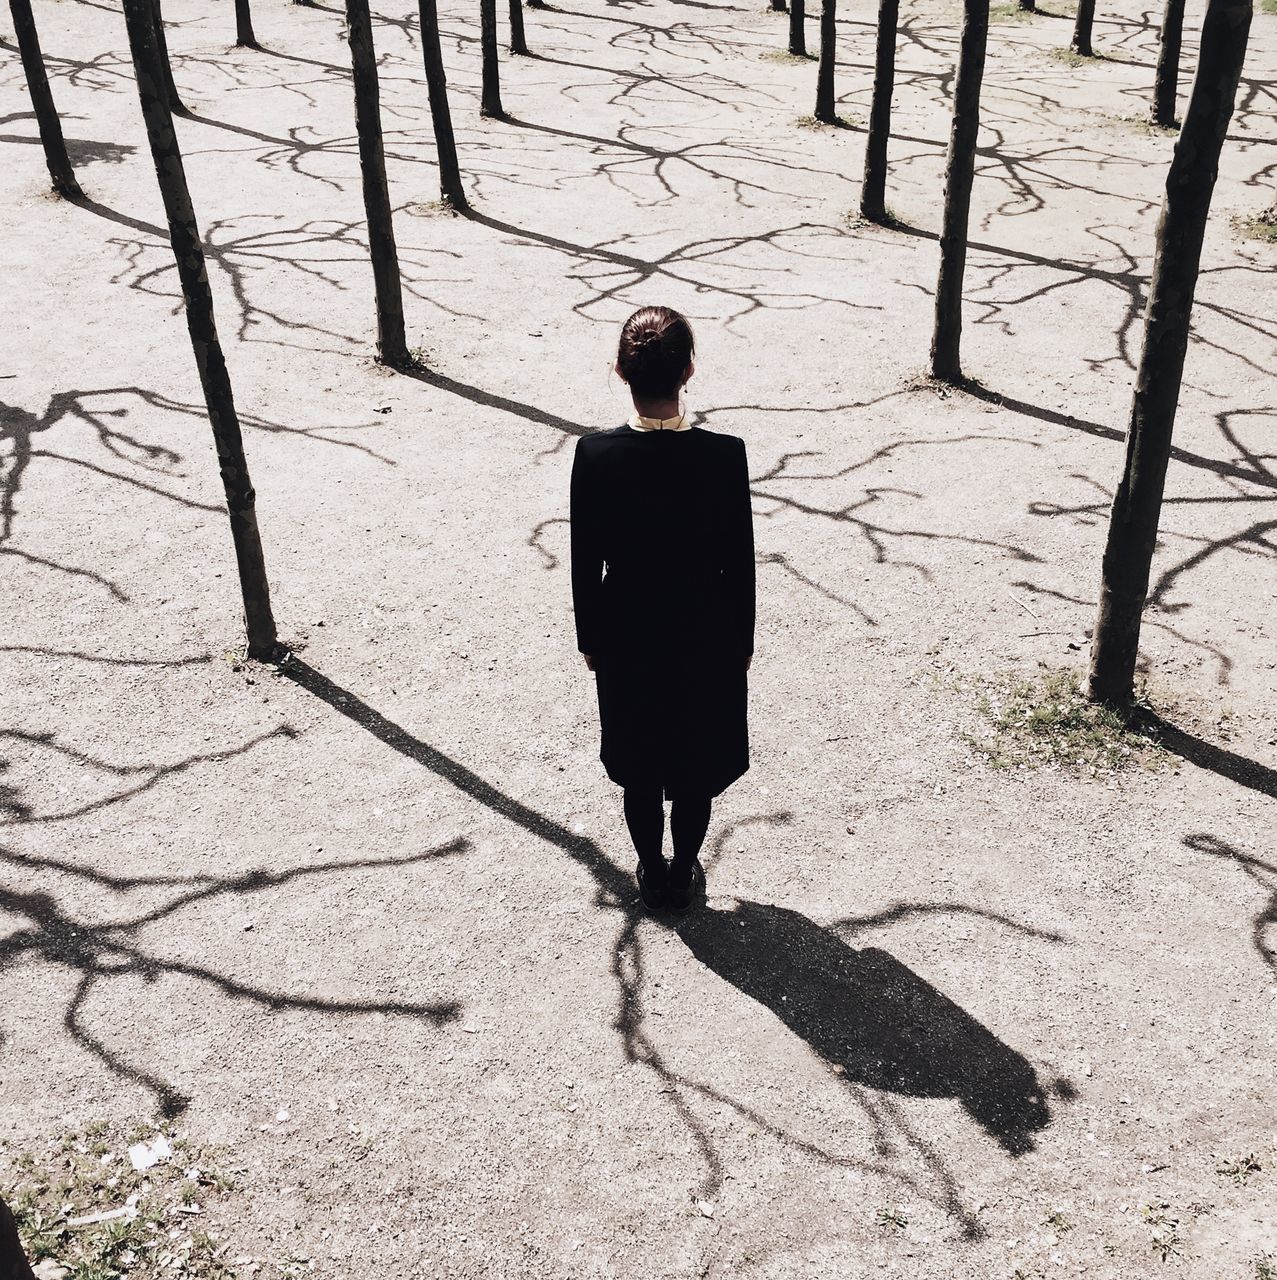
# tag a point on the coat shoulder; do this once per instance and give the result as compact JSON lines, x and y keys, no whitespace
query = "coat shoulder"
{"x":724,"y":440}
{"x":594,"y":439}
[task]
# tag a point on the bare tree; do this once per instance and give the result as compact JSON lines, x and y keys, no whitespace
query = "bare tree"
{"x":1166,"y":81}
{"x":798,"y":28}
{"x":518,"y":38}
{"x":46,"y":114}
{"x":1082,"y":24}
{"x":241,"y":500}
{"x":826,"y":106}
{"x":13,"y":1262}
{"x":1137,"y":504}
{"x":450,"y":188}
{"x":244,"y":24}
{"x":392,"y":346}
{"x":490,"y":87}
{"x":873,"y":194}
{"x":946,"y":341}
{"x":167,"y":85}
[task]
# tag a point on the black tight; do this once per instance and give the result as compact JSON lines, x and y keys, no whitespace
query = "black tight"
{"x":645,"y":817}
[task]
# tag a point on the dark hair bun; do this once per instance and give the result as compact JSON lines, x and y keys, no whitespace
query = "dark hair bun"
{"x":655,"y":349}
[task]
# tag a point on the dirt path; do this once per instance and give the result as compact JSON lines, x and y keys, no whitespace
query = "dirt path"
{"x":938,"y":1019}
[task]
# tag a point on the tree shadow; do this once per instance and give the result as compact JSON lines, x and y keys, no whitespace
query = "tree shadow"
{"x":1002,"y":1092}
{"x":1207,"y":755}
{"x":871,"y":1018}
{"x":1263,"y":874}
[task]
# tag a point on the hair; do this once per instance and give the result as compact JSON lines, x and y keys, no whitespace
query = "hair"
{"x":655,"y":349}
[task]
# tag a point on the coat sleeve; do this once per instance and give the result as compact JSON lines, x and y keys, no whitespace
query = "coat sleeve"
{"x":586,"y":552}
{"x":738,"y":569}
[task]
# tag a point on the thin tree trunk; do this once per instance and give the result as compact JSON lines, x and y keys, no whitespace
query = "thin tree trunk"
{"x":826,"y":106}
{"x":798,"y":28}
{"x":392,"y":346}
{"x":1132,"y":533}
{"x":13,"y":1262}
{"x":241,"y":502}
{"x":777,"y":6}
{"x":490,"y":88}
{"x":167,"y":86}
{"x":244,"y":24}
{"x":873,"y":194}
{"x":450,"y":187}
{"x":46,"y":114}
{"x":518,"y":39}
{"x":1081,"y":42}
{"x":946,"y":341}
{"x":1028,"y":6}
{"x":1166,"y":81}
{"x":537,"y":4}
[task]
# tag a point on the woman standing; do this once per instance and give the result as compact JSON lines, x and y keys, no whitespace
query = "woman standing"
{"x":669,"y":629}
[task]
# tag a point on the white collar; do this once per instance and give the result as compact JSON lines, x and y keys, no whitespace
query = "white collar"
{"x":677,"y":423}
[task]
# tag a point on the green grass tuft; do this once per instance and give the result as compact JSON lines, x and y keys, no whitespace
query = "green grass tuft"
{"x":1046,"y":721}
{"x":784,"y":56}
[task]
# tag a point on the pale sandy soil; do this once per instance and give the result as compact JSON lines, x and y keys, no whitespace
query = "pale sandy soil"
{"x":529,"y":1080}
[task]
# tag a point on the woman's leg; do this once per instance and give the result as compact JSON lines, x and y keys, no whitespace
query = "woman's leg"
{"x":689,"y":820}
{"x":645,"y":817}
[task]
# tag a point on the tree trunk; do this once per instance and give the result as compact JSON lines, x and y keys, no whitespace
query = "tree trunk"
{"x":1132,"y":534}
{"x":167,"y":86}
{"x":450,"y":188}
{"x":537,"y":4}
{"x":392,"y":346}
{"x":244,"y":25}
{"x":1081,"y":42}
{"x":777,"y":6}
{"x":1028,"y":6}
{"x":946,"y":362}
{"x":46,"y":114}
{"x":490,"y":90}
{"x":826,"y":106}
{"x":518,"y":39}
{"x":1167,"y":79}
{"x":13,"y":1262}
{"x":798,"y":28}
{"x":241,"y":500}
{"x":873,"y":194}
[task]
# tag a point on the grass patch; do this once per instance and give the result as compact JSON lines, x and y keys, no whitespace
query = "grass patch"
{"x":1071,"y":57}
{"x":1012,"y":13}
{"x":1046,"y":721}
{"x":1268,"y":6}
{"x":1166,"y":1239}
{"x":1264,"y":1263}
{"x":1142,"y":124}
{"x":840,"y":122}
{"x":785,"y":57}
{"x":891,"y":1219}
{"x":1238,"y":1171}
{"x":1263,"y":228}
{"x":164,"y":1228}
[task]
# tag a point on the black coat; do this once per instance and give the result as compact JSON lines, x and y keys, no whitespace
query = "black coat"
{"x":671,"y":622}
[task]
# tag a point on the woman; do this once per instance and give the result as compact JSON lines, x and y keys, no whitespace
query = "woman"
{"x":669,"y":630}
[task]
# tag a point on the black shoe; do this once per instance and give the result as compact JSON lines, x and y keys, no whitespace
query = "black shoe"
{"x":683,"y":890}
{"x":652,"y":894}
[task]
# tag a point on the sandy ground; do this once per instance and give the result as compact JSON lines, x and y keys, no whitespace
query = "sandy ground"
{"x":393,"y":896}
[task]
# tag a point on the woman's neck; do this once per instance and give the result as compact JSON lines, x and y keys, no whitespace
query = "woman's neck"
{"x":667,"y":408}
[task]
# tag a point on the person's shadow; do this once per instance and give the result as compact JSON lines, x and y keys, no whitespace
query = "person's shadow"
{"x":865,"y":1012}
